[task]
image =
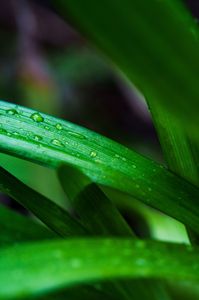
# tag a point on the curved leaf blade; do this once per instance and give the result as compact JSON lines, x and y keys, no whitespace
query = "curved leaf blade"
{"x":54,"y":216}
{"x":104,"y":161}
{"x":57,"y":264}
{"x":159,"y":56}
{"x":15,"y":228}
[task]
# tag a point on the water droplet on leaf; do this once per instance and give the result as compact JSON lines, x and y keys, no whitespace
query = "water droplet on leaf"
{"x":58,"y":126}
{"x":56,"y":142}
{"x":12,"y":111}
{"x":37,"y":138}
{"x":93,"y":154}
{"x":76,"y":134}
{"x":37,"y":117}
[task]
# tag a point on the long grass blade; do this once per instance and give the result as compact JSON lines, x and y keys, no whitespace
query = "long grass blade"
{"x":56,"y":264}
{"x":51,"y":141}
{"x":55,"y":217}
{"x":15,"y":228}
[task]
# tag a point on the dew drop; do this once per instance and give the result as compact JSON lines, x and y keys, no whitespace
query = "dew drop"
{"x":58,"y":126}
{"x":116,"y":155}
{"x":15,"y":133}
{"x":47,"y":127}
{"x":134,"y":166}
{"x":98,"y":161}
{"x":37,"y":117}
{"x":123,"y":158}
{"x":56,"y":142}
{"x":37,"y":138}
{"x":93,"y":154}
{"x":76,"y":134}
{"x":12,"y":112}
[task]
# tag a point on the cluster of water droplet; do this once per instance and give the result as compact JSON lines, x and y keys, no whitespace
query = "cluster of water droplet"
{"x":38,"y":118}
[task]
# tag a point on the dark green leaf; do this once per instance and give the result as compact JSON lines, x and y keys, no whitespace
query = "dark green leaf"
{"x":55,"y":217}
{"x":15,"y":228}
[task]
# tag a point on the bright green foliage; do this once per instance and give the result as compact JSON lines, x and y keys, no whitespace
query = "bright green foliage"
{"x":103,"y":160}
{"x":155,"y":44}
{"x":83,"y":260}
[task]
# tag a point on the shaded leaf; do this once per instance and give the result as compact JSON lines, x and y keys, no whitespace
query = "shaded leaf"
{"x":55,"y":217}
{"x":15,"y":228}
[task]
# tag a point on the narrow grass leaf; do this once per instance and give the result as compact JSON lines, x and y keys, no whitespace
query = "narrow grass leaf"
{"x":37,"y":137}
{"x":101,"y":217}
{"x":91,"y":206}
{"x":15,"y":228}
{"x":57,"y":264}
{"x":55,"y":217}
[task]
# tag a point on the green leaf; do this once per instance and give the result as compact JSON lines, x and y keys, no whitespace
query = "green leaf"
{"x":100,"y":216}
{"x":91,"y":206}
{"x":22,"y":229}
{"x":154,"y":43}
{"x":55,"y":217}
{"x":15,"y":228}
{"x":51,"y":141}
{"x":56,"y":264}
{"x":180,"y":151}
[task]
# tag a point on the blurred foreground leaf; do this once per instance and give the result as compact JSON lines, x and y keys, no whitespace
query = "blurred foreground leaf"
{"x":81,"y":261}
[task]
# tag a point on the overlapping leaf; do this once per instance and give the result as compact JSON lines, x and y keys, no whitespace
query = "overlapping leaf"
{"x":50,"y":141}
